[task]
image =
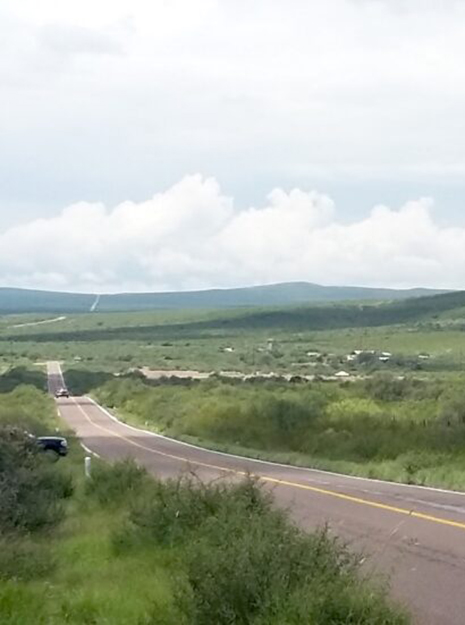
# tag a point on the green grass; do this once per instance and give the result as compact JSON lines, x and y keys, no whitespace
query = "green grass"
{"x":90,"y":585}
{"x":74,"y":577}
{"x":146,"y":562}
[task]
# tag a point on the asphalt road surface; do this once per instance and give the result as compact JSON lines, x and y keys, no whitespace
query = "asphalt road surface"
{"x":414,"y":536}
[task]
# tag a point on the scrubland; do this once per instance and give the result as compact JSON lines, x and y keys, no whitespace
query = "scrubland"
{"x":126,"y":548}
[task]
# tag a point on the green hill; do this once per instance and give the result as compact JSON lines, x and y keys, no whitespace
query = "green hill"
{"x":445,"y":310}
{"x":286,"y":294}
{"x":14,"y":301}
{"x":352,"y":315}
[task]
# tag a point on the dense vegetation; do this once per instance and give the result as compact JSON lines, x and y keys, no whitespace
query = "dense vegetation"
{"x":399,"y":429}
{"x":32,"y":492}
{"x":125,"y":549}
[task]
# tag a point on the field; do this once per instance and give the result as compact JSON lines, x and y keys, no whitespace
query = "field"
{"x":420,"y":337}
{"x":395,"y":411}
{"x":123,"y":548}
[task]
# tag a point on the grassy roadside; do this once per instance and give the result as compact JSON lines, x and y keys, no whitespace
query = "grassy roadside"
{"x":64,"y":570}
{"x":447,"y":472}
{"x":408,"y":430}
{"x":125,"y":549}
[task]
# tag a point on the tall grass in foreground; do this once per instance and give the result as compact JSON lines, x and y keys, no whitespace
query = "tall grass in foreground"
{"x":137,"y":551}
{"x":235,"y":559}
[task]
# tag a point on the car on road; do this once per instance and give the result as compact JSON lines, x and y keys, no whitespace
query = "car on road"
{"x":62,"y":392}
{"x":56,"y":444}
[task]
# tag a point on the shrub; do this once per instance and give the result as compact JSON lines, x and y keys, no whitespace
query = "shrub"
{"x":31,"y":489}
{"x":249,"y":564}
{"x":111,"y":484}
{"x":22,"y":559}
{"x":246,"y":563}
{"x":452,"y":408}
{"x":18,"y":376}
{"x":171,"y":510}
{"x":26,"y":408}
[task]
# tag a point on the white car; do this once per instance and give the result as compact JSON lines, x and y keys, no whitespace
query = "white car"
{"x":62,"y":392}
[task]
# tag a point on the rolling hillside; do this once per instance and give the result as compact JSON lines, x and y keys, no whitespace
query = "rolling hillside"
{"x":294,"y":293}
{"x":433,"y":308}
{"x":15,"y":301}
{"x":438,"y":311}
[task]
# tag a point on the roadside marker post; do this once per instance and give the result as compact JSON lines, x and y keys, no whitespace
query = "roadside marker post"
{"x":87,"y":465}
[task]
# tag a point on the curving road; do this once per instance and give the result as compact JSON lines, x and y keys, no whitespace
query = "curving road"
{"x":413,"y":535}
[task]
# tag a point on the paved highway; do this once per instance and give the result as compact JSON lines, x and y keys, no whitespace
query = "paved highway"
{"x":415,"y":536}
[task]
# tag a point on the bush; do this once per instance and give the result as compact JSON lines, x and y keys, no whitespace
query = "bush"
{"x":22,"y":559}
{"x":344,"y":601}
{"x":170,"y":511}
{"x":19,"y":376}
{"x":27,"y":409}
{"x":452,"y":408}
{"x":31,"y":489}
{"x":112,"y":484}
{"x":249,"y":565}
{"x":245,"y":563}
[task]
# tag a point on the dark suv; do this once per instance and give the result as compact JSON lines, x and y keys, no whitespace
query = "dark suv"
{"x":58,"y":444}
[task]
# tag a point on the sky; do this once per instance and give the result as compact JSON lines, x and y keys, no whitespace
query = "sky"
{"x":182,"y":144}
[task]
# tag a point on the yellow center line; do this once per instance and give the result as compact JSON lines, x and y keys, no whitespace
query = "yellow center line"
{"x":278,"y":481}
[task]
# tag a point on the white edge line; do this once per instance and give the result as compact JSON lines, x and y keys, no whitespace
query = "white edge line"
{"x":275,"y":464}
{"x":85,"y":448}
{"x":89,"y":451}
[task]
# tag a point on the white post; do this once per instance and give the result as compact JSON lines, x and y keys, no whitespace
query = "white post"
{"x":87,"y":465}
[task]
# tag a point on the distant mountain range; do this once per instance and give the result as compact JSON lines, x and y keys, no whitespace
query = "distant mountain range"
{"x":14,"y":300}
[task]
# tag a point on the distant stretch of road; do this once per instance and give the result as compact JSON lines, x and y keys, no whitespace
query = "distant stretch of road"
{"x":413,"y":535}
{"x":38,"y":323}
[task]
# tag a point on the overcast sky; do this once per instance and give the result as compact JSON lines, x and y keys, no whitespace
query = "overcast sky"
{"x":173,"y":144}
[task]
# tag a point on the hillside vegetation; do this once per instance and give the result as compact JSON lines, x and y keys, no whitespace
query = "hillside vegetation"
{"x":310,"y":318}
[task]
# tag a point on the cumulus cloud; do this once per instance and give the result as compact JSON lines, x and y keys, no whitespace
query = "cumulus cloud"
{"x":337,"y":94}
{"x":192,"y":236}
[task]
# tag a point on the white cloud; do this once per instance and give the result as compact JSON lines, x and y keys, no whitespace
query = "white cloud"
{"x":280,"y":93}
{"x":190,"y":236}
{"x":69,"y":39}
